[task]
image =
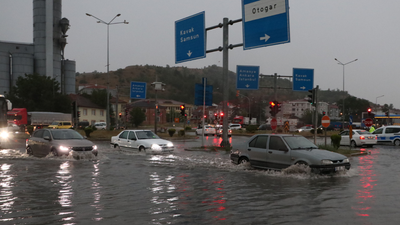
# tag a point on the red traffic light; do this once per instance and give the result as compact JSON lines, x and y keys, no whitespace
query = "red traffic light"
{"x":182,"y":107}
{"x":369,"y":110}
{"x":222,"y":114}
{"x":272,"y":103}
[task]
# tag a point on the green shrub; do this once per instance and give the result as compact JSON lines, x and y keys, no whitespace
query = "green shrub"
{"x":251,"y":128}
{"x":181,"y":133}
{"x":188,"y":128}
{"x":88,"y":130}
{"x":335,"y":140}
{"x":171,"y":132}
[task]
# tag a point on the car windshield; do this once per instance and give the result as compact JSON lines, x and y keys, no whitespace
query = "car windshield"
{"x":54,"y":123}
{"x":65,"y":134}
{"x":146,"y":135}
{"x":299,"y":142}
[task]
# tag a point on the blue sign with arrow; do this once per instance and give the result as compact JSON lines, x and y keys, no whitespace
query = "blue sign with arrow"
{"x":247,"y":77}
{"x":200,"y":91}
{"x":303,"y":79}
{"x":138,"y":90}
{"x":265,"y":23}
{"x":190,"y":42}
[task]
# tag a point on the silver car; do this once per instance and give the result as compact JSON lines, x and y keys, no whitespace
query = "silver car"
{"x":58,"y":142}
{"x":141,"y":140}
{"x":279,"y":151}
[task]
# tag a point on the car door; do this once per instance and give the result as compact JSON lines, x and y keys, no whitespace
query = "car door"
{"x":122,"y":139}
{"x":345,"y":138}
{"x":379,"y":133}
{"x":132,"y":140}
{"x":46,"y":143}
{"x":278,"y":155}
{"x":34,"y":141}
{"x":257,"y":150}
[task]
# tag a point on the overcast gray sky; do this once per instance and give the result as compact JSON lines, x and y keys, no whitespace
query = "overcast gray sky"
{"x":367,"y":30}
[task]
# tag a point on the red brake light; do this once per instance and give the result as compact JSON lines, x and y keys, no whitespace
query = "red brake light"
{"x":362,"y":137}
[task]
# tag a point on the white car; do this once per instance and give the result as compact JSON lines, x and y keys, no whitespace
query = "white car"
{"x":359,"y":138}
{"x":220,"y":132}
{"x":141,"y":140}
{"x":100,"y":125}
{"x":235,"y":126}
{"x":304,"y":129}
{"x":208,"y":130}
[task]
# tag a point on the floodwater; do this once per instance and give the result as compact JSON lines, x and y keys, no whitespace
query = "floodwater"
{"x":192,"y":187}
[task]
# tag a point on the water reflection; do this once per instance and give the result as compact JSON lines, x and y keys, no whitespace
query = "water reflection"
{"x":7,"y":198}
{"x":96,"y":187}
{"x":368,"y":182}
{"x":65,"y":194}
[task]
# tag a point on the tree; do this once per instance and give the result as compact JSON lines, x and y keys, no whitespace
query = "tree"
{"x":353,"y":106}
{"x":137,"y":116}
{"x":39,"y":93}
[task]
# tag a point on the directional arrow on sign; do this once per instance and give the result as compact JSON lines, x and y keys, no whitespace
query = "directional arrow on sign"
{"x":189,"y":53}
{"x":303,"y":87}
{"x":265,"y":38}
{"x":247,"y":85}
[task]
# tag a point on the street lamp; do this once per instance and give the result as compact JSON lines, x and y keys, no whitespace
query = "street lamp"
{"x":108,"y":60}
{"x":343,"y":64}
{"x":376,"y":102}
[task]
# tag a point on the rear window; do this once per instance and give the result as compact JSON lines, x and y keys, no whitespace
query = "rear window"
{"x":362,"y":132}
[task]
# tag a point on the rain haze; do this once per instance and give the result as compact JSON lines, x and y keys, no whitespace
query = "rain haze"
{"x":320,"y":31}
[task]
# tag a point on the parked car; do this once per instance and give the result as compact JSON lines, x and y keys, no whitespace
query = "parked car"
{"x":208,"y":130}
{"x":58,"y":142}
{"x":359,"y":138}
{"x":279,"y":151}
{"x":60,"y":125}
{"x":141,"y":140}
{"x":235,"y":126}
{"x":304,"y":129}
{"x":83,"y":124}
{"x":388,"y":134}
{"x":329,"y":128}
{"x":100,"y":125}
{"x":265,"y":127}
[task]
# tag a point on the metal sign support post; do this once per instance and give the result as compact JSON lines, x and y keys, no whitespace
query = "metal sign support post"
{"x":316,"y":116}
{"x":204,"y":109}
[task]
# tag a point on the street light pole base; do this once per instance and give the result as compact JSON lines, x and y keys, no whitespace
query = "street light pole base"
{"x":224,"y":144}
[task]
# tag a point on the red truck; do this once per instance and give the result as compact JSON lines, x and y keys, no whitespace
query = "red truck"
{"x":19,"y":116}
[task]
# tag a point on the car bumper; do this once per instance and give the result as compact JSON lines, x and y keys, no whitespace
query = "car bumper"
{"x":234,"y":158}
{"x":331,"y":168}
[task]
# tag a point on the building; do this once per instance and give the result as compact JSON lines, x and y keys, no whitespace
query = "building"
{"x":88,"y":111}
{"x":45,"y":56}
{"x":297,"y":108}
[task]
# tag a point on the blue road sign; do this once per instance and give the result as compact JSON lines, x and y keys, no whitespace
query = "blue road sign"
{"x":190,"y":42}
{"x":303,"y":79}
{"x":247,"y":77}
{"x":199,"y":94}
{"x":138,"y":90}
{"x":351,"y":120}
{"x":265,"y":23}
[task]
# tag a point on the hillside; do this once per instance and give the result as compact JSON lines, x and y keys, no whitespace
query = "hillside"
{"x":180,"y":84}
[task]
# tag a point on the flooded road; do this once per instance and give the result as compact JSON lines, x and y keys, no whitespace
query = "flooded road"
{"x":192,"y":187}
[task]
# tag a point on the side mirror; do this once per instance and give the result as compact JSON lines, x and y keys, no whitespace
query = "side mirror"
{"x":47,"y":138}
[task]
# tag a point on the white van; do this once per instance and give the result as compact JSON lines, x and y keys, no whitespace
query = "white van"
{"x":388,"y":134}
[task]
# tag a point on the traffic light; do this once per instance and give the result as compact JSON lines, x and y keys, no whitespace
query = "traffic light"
{"x":120,"y":115}
{"x":73,"y":109}
{"x":369,"y":110}
{"x":182,"y":107}
{"x":222,"y":115}
{"x":272,"y":106}
{"x":237,"y":93}
{"x":387,"y":114}
{"x":323,"y":113}
{"x":311,"y":97}
{"x":277,"y":107}
{"x":126,"y":112}
{"x":79,"y":114}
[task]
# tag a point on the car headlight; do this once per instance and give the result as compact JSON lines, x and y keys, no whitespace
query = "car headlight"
{"x":64,"y":148}
{"x":326,"y":161}
{"x":346,"y":160}
{"x":4,"y":134}
{"x":155,"y":147}
{"x":170,"y":145}
{"x":94,"y":147}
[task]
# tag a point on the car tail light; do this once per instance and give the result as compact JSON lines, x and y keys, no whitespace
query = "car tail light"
{"x":362,"y":137}
{"x":376,"y":137}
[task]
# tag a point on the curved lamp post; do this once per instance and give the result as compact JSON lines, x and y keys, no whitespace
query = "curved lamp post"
{"x":343,"y":64}
{"x":108,"y":60}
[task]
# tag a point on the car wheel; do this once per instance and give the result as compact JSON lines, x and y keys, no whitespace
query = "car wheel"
{"x":54,"y":151}
{"x":29,"y":150}
{"x":243,"y":160}
{"x":397,"y":142}
{"x":116,"y":146}
{"x":353,"y":144}
{"x":141,"y":148}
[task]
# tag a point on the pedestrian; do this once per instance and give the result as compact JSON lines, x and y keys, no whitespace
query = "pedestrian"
{"x":372,"y":129}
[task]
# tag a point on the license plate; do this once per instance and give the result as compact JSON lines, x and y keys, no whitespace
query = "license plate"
{"x":339,"y":168}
